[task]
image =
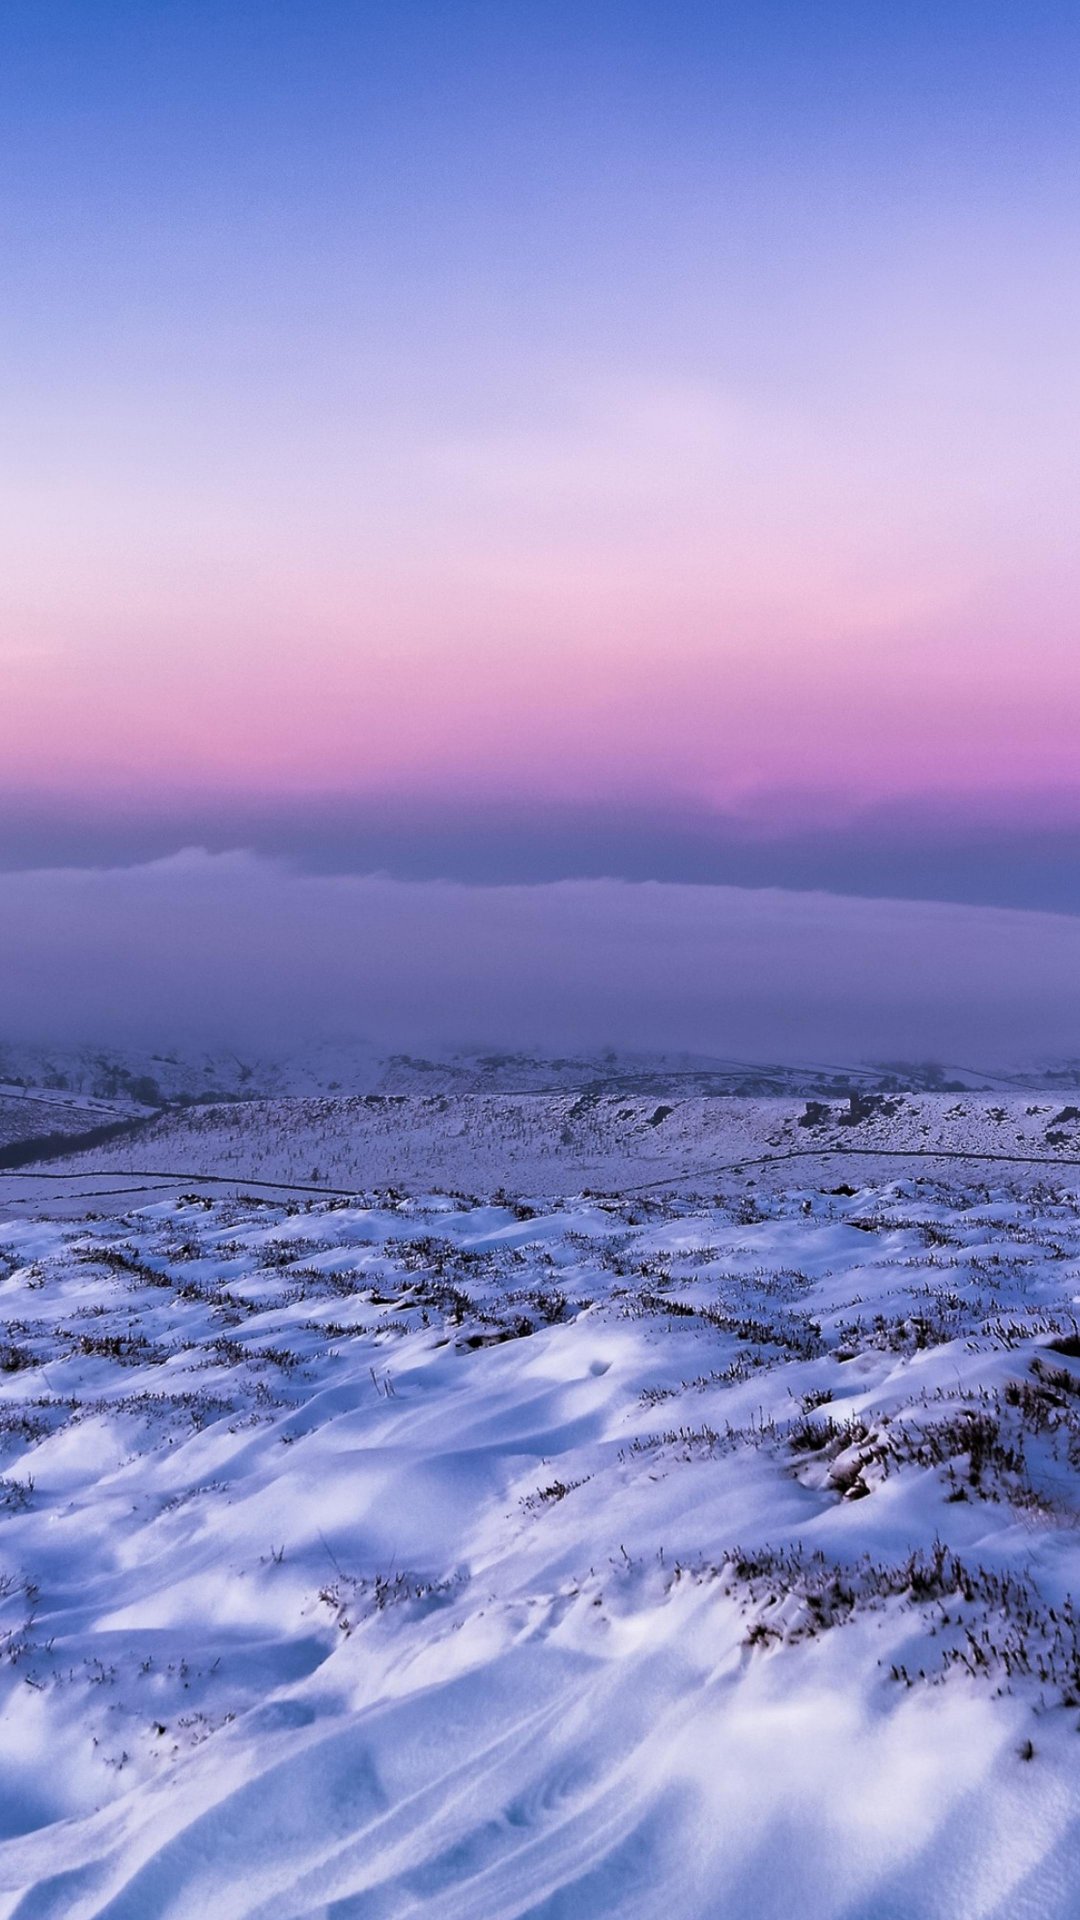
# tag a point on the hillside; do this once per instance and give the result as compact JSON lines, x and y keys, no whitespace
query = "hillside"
{"x":33,"y":1112}
{"x":588,"y":1561}
{"x":555,"y":1144}
{"x":343,"y":1067}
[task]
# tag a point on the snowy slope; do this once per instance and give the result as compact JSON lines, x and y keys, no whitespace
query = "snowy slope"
{"x":566,"y":1143}
{"x":641,"y":1558}
{"x":27,"y":1113}
{"x":346,"y":1066}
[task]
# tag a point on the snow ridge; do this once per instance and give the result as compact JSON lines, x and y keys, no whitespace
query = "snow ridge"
{"x":492,"y":1558}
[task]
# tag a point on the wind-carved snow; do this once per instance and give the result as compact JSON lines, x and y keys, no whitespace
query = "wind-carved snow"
{"x":638,"y":1558}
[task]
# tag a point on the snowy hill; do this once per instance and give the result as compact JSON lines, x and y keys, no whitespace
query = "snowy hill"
{"x":342,"y":1067}
{"x":484,"y":1561}
{"x":569,"y":1143}
{"x":34,"y":1112}
{"x":585,"y":1503}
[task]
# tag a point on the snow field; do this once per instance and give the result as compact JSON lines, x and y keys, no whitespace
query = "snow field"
{"x":632,"y":1557}
{"x":553,"y":1144}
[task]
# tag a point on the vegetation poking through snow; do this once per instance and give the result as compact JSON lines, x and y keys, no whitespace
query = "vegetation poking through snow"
{"x":517,"y":1494}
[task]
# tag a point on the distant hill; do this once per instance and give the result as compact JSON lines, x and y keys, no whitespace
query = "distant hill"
{"x":542,"y":1143}
{"x":155,"y":1077}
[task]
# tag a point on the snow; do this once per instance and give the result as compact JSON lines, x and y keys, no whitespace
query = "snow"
{"x":347,"y":1065}
{"x":556,"y":1555}
{"x":27,"y":1115}
{"x":559,"y":1143}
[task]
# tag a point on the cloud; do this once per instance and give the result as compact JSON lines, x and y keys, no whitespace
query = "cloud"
{"x":236,"y":948}
{"x":1009,"y":849}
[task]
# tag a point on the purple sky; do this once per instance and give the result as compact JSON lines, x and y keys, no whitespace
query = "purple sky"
{"x":512,"y":444}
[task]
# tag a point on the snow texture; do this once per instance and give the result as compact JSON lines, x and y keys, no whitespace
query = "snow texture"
{"x":648,"y":1555}
{"x":563,"y":1143}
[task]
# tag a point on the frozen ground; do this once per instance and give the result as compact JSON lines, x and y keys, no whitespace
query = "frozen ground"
{"x":345,"y":1066}
{"x":560,"y":1143}
{"x":31,"y":1113}
{"x":645,"y":1557}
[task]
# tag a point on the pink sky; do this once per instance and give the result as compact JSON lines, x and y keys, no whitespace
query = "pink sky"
{"x":653,"y":598}
{"x":675,"y":456}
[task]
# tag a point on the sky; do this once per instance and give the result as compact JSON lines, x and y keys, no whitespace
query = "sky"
{"x":509,"y":444}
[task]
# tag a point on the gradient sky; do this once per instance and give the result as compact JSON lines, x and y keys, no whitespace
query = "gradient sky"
{"x":613,"y":429}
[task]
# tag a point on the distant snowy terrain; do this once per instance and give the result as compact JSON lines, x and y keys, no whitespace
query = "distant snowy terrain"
{"x":28,"y":1113}
{"x":565,"y":1143}
{"x":345,"y":1066}
{"x":564,"y":1557}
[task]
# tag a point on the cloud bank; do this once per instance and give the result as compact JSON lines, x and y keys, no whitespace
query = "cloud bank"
{"x":234,"y":948}
{"x":1003,"y":848}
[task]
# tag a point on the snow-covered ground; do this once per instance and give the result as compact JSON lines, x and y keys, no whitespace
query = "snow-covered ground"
{"x":344,"y":1066}
{"x":638,"y":1557}
{"x":560,"y":1143}
{"x":31,"y":1113}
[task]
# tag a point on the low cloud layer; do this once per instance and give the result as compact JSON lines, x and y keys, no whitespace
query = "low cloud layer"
{"x":1005,"y":849}
{"x":234,"y":948}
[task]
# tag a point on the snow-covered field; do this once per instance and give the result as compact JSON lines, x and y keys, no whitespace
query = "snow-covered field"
{"x":31,"y":1113}
{"x":564,"y":1143}
{"x":342,"y":1066}
{"x":639,"y":1557}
